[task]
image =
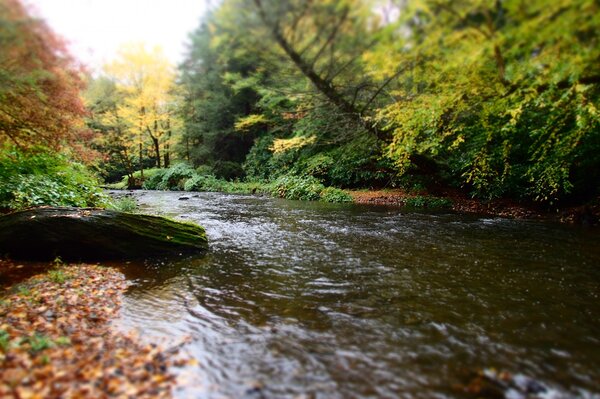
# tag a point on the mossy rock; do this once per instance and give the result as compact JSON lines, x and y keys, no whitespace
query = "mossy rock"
{"x":95,"y":234}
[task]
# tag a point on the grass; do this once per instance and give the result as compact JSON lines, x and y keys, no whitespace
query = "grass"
{"x":125,"y":204}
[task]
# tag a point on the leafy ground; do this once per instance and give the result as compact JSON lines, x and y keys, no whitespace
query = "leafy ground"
{"x":56,"y":339}
{"x":588,"y":214}
{"x":448,"y":200}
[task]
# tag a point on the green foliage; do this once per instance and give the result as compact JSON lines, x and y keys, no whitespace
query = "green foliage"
{"x":42,"y":178}
{"x":317,"y":166}
{"x":428,"y":202}
{"x":261,"y":164}
{"x":23,"y":290}
{"x":512,"y":105}
{"x":4,"y":340}
{"x":306,"y":188}
{"x":332,"y":194}
{"x":39,"y":342}
{"x":228,"y":170}
{"x":297,"y":188}
{"x":288,"y":186}
{"x":213,"y":103}
{"x":152,"y":178}
{"x":205,"y":183}
{"x":174,"y":178}
{"x":359,"y":164}
{"x":124,"y":204}
{"x":204,"y":170}
{"x":498,"y":98}
{"x":62,"y":341}
{"x":57,"y":276}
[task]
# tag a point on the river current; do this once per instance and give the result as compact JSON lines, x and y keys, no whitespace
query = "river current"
{"x":313,"y":300}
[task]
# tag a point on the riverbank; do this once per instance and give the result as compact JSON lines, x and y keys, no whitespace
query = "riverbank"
{"x":182,"y":177}
{"x":588,"y":214}
{"x":56,"y":339}
{"x":455,"y":200}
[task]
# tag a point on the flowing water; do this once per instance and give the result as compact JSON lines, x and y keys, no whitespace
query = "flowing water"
{"x":303,"y":300}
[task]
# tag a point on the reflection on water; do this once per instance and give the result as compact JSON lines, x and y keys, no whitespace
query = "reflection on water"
{"x":336,"y":301}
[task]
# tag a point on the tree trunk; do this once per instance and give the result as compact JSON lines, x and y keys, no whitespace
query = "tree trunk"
{"x":322,"y":85}
{"x":141,"y":161}
{"x":156,"y":150}
{"x":187,"y":149}
{"x":167,"y":155}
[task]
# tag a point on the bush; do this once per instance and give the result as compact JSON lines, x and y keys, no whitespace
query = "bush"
{"x":204,"y":170}
{"x":291,"y":187}
{"x":263,"y":164}
{"x":125,"y":204}
{"x":332,"y":194}
{"x":205,"y":183}
{"x":297,"y":188}
{"x":228,"y":170}
{"x":359,"y":164}
{"x":152,"y":178}
{"x":317,"y":166}
{"x":420,"y":201}
{"x":175,"y":177}
{"x":41,"y":178}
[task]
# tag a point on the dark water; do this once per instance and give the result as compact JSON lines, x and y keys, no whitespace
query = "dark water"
{"x":303,"y":300}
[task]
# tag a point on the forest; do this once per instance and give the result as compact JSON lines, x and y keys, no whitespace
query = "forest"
{"x":492,"y":99}
{"x":321,"y":199}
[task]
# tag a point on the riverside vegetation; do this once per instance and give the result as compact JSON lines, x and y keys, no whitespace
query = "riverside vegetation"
{"x":496,"y":102}
{"x":493,"y":100}
{"x":433,"y":101}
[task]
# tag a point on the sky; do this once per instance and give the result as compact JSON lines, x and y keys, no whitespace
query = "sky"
{"x":95,"y":29}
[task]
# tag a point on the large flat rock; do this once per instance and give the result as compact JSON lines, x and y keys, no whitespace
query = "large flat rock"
{"x":94,"y":234}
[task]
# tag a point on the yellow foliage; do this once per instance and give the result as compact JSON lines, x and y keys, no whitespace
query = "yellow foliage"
{"x":146,"y":80}
{"x":282,"y":145}
{"x":247,"y":122}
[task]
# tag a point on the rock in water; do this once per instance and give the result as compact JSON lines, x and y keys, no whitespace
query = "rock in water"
{"x":93,"y":234}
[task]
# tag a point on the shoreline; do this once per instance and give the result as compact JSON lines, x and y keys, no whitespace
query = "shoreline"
{"x":588,"y":215}
{"x":456,"y":201}
{"x":56,"y":338}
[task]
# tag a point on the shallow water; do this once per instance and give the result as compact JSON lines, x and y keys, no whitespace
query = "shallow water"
{"x":300,"y":299}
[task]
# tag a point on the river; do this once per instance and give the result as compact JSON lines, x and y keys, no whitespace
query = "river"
{"x":314,"y":300}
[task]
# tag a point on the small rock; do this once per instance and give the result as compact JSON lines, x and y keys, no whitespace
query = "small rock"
{"x":183,"y":198}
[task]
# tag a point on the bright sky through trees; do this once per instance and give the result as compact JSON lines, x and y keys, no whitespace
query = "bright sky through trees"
{"x":96,"y":28}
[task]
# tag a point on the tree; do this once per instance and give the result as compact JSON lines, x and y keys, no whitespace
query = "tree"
{"x":503,"y":95}
{"x":499,"y":98}
{"x":39,"y":82}
{"x":103,"y":102}
{"x":146,"y":80}
{"x":212,"y":102}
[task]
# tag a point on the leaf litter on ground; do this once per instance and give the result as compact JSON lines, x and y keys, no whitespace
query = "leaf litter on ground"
{"x":56,"y":340}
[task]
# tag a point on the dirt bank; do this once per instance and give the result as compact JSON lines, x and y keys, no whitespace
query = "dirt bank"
{"x":584,"y":214}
